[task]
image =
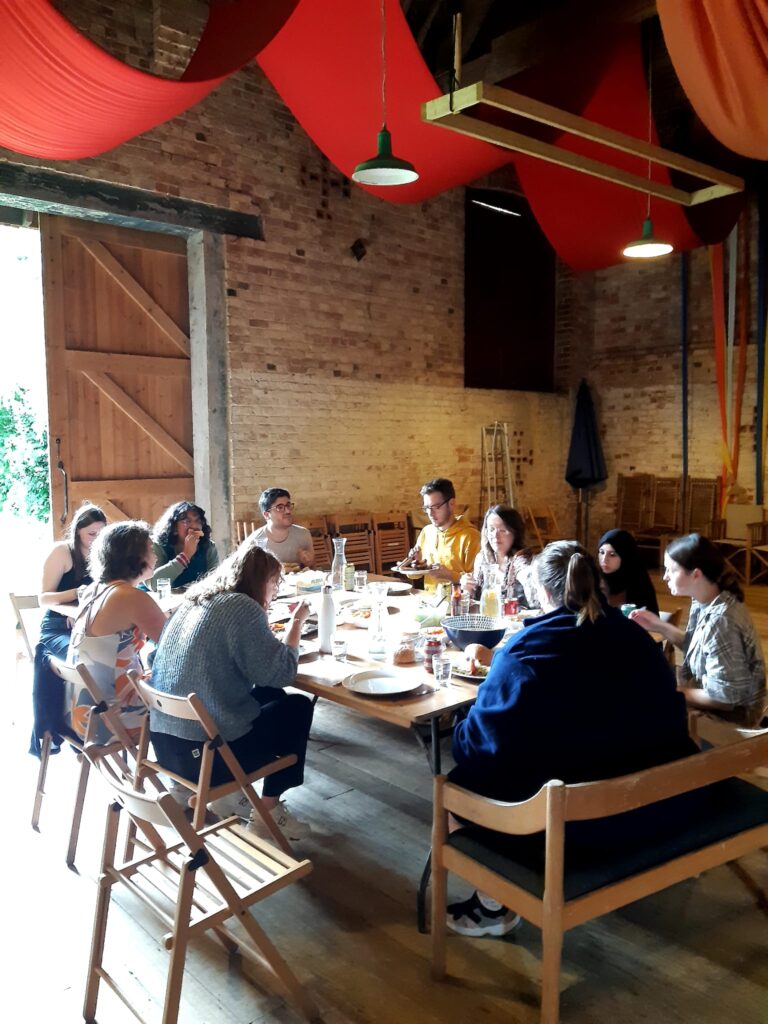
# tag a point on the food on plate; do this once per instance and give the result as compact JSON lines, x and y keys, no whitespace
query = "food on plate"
{"x":310,"y":581}
{"x":404,"y":655}
{"x":472,"y":667}
{"x":277,"y":627}
{"x":415,"y":563}
{"x":361,"y":613}
{"x":477,"y":652}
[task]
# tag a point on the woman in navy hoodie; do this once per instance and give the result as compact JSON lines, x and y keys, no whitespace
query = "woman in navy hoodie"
{"x":580,"y":694}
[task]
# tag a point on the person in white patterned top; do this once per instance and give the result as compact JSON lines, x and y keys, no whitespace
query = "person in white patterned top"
{"x":724,"y":670}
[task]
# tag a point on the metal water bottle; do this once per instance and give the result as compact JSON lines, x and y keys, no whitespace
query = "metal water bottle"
{"x":326,"y":619}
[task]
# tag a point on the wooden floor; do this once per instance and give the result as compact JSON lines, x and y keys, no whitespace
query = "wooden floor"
{"x":695,"y":953}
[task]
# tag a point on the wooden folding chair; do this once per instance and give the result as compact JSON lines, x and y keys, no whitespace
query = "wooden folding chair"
{"x":243,"y":529}
{"x":633,"y":501}
{"x":357,"y":528}
{"x":80,"y":679}
{"x":756,"y":554}
{"x":702,"y":502}
{"x":192,"y":709}
{"x":193,"y":881}
{"x":541,"y":525}
{"x":391,"y":540}
{"x":664,"y":518}
{"x":732,"y":535}
{"x":22,"y":603}
{"x":321,"y":541}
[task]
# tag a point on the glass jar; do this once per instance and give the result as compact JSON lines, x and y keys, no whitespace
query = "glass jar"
{"x":431,"y":647}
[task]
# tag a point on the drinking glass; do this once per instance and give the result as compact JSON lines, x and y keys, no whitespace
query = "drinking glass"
{"x":361,"y":579}
{"x":339,"y":648}
{"x":163,"y":589}
{"x":441,"y":669}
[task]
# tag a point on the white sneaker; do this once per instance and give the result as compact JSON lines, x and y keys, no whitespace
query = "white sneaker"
{"x":236,"y":803}
{"x":180,"y":793}
{"x":291,"y":826}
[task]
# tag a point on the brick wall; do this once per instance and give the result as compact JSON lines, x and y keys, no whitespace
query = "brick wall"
{"x":346,"y":376}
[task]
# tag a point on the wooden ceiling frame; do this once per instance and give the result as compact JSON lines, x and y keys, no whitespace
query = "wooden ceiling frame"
{"x":448,"y":112}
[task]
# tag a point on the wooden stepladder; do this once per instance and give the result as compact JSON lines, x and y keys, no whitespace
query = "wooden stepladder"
{"x":496,"y":486}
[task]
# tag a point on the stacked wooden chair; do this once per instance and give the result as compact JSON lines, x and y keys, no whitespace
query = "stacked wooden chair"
{"x":664,"y":517}
{"x":702,"y":504}
{"x":194,"y":880}
{"x":321,"y":541}
{"x":357,"y":528}
{"x":633,"y":501}
{"x":244,"y":528}
{"x":733,"y":534}
{"x":540,"y":525}
{"x":391,"y":540}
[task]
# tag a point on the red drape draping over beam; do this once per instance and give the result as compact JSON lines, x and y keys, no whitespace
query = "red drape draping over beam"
{"x":719,"y":49}
{"x":63,"y":98}
{"x":588,"y":221}
{"x":326,"y":65}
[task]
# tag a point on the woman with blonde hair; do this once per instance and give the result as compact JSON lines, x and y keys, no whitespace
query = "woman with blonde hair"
{"x":578,"y":694}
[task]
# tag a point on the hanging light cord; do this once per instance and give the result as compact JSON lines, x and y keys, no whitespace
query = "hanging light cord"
{"x":383,"y":66}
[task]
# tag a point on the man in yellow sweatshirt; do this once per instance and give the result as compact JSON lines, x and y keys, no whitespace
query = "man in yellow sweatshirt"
{"x":449,"y":543}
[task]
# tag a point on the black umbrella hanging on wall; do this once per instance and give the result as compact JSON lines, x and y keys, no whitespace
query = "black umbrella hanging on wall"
{"x":586,"y":465}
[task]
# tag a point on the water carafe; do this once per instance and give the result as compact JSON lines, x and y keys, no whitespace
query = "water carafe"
{"x":490,"y":600}
{"x":339,"y":562}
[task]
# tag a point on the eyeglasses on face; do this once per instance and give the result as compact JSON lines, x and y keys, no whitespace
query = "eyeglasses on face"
{"x":434,"y":508}
{"x":287,"y":507}
{"x":498,"y":529}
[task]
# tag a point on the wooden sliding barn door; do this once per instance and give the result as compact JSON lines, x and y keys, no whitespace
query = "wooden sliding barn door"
{"x":117,"y":349}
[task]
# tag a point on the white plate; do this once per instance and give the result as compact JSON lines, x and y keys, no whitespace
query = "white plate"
{"x":382,"y":682}
{"x":399,"y":587}
{"x":412,"y":572}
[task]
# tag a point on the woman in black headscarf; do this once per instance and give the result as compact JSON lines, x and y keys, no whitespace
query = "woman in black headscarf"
{"x":625,"y":578}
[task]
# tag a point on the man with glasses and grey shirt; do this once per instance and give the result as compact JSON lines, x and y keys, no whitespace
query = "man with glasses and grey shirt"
{"x":290,"y":543}
{"x":449,"y":543}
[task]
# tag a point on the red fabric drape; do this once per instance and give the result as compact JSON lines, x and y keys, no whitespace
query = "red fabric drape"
{"x":326,"y":65}
{"x":589,"y":221}
{"x":64,"y":98}
{"x":719,"y":49}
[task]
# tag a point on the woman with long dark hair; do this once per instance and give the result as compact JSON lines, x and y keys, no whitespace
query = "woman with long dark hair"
{"x":183,"y":546}
{"x":219,"y":645}
{"x":723,"y":670}
{"x":501,"y":538}
{"x":625,"y":577}
{"x":65,"y":570}
{"x":579,"y":695}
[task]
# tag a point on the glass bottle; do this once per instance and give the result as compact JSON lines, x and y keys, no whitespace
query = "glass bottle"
{"x":326,"y":620}
{"x":339,"y":561}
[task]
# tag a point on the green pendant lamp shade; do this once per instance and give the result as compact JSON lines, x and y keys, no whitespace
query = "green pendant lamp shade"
{"x":384,"y":168}
{"x":646,"y":247}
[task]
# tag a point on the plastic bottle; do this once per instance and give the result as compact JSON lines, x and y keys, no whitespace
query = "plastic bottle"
{"x":326,"y":619}
{"x":339,"y":561}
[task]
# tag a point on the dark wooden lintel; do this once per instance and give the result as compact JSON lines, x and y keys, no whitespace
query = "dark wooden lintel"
{"x":70,"y":195}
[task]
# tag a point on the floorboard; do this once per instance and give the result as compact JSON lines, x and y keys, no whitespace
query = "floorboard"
{"x":696,"y":952}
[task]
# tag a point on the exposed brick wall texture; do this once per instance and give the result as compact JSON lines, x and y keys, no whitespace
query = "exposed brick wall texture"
{"x":346,"y":376}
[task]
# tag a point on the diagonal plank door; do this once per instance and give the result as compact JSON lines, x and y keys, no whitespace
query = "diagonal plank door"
{"x":117,"y":350}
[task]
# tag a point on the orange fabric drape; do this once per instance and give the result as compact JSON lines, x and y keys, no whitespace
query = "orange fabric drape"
{"x":719,"y":49}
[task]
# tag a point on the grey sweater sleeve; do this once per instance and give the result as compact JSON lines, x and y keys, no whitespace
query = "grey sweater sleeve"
{"x":261,"y":657}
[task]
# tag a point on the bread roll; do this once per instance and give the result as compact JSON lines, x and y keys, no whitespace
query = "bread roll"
{"x":404,"y":655}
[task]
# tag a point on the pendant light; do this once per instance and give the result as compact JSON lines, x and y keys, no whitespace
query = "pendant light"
{"x":647,"y":247}
{"x":384,"y":168}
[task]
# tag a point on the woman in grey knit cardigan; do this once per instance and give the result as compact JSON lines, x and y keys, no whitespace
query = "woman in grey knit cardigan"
{"x":219,"y":645}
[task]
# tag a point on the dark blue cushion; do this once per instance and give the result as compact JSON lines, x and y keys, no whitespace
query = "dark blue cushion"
{"x":607,"y":850}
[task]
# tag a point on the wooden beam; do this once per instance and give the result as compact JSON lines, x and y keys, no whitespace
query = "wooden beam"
{"x":120,"y":362}
{"x":446,"y":112}
{"x":535,"y":41}
{"x":147,"y":487}
{"x":143,"y":420}
{"x":135,"y":291}
{"x":71,"y":195}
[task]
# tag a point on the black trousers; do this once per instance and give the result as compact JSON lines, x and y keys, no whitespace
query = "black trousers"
{"x":281,"y":728}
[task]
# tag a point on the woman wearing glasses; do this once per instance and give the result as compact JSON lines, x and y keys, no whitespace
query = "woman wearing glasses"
{"x":503,"y":536}
{"x":280,"y":536}
{"x":182,"y":542}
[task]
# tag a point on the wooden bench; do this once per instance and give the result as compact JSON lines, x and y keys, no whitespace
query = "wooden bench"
{"x":531,"y":863}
